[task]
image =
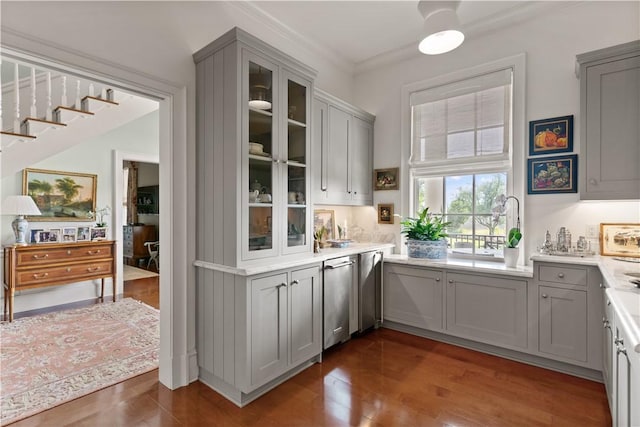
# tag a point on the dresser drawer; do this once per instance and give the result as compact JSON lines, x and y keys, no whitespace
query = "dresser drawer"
{"x":63,"y":273}
{"x":53,"y":255}
{"x":563,"y":274}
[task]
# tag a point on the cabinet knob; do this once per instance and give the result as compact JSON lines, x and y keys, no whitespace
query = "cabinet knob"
{"x":561,"y":275}
{"x":437,"y":279}
{"x":451,"y":281}
{"x":276,"y":160}
{"x":355,"y":192}
{"x":592,"y":181}
{"x":68,"y":252}
{"x":295,"y":282}
{"x":40,"y":275}
{"x":545,"y":296}
{"x":601,"y":286}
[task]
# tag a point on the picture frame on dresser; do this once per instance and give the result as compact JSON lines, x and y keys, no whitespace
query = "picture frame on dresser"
{"x":69,"y":234}
{"x":34,"y":235}
{"x":83,"y":234}
{"x":60,"y":196}
{"x":98,"y":233}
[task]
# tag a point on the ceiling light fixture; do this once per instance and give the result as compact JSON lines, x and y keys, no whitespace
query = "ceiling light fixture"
{"x":441,"y":32}
{"x":258,"y":92}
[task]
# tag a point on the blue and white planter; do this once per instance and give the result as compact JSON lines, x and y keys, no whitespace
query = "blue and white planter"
{"x":427,"y":249}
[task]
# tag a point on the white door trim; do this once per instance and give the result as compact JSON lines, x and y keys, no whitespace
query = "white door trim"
{"x":177,"y":178}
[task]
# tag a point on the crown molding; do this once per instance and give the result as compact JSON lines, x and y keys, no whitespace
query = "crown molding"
{"x":252,"y":10}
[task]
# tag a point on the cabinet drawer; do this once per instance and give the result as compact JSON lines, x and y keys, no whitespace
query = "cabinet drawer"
{"x":63,"y":273}
{"x":563,"y":274}
{"x":50,"y":255}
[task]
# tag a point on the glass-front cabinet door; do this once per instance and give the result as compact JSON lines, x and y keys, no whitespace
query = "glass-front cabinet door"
{"x":296,"y":116}
{"x":261,"y":141}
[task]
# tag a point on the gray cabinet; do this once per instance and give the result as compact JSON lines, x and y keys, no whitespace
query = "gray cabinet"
{"x":562,"y":315}
{"x":487,"y":309}
{"x":626,"y":411}
{"x":342,"y":153}
{"x":609,"y":126}
{"x":414,"y":296}
{"x":568,"y":302}
{"x":286,"y":322}
{"x":253,"y":134}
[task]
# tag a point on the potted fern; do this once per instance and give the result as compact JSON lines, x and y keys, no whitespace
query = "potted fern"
{"x":426,"y":236}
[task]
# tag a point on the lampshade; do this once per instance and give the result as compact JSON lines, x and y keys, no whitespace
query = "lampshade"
{"x":19,"y":205}
{"x":441,"y":27}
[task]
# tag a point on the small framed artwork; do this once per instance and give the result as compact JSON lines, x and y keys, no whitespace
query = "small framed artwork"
{"x":49,"y":236}
{"x":69,"y":234}
{"x":551,"y":136}
{"x":386,"y":179}
{"x":83,"y":234}
{"x":620,"y":240}
{"x":98,"y":233}
{"x":385,"y":213}
{"x":553,"y":174}
{"x":327,"y":219}
{"x":55,"y":234}
{"x":34,"y":235}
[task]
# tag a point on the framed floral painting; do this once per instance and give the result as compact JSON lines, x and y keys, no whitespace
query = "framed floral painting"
{"x":551,"y":136}
{"x":553,"y":174}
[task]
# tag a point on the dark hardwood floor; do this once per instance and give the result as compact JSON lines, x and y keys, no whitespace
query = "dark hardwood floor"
{"x":384,"y":378}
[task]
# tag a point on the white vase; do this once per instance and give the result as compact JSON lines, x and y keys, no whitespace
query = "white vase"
{"x":511,"y":256}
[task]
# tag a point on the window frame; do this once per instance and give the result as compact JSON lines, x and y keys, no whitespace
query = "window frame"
{"x":517,"y":144}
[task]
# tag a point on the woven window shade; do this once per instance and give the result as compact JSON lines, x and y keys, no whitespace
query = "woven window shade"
{"x":465,"y":122}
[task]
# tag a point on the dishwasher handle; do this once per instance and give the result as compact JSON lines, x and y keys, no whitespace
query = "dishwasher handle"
{"x":333,"y":267}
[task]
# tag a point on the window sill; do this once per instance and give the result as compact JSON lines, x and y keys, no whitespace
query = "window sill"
{"x":458,"y":264}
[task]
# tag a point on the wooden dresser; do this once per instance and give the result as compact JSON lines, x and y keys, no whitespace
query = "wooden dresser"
{"x":52,"y":264}
{"x":133,"y":238}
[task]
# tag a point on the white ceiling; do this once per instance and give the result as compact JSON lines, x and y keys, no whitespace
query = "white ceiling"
{"x":359,"y":31}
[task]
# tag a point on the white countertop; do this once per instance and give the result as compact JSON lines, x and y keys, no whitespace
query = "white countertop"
{"x":259,"y":266}
{"x":624,"y":296}
{"x":463,"y":265}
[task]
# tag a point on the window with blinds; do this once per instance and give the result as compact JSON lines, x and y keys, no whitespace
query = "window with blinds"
{"x":460,"y":159}
{"x":463,"y":122}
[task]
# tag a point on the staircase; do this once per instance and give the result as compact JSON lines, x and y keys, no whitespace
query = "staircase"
{"x":83,"y":111}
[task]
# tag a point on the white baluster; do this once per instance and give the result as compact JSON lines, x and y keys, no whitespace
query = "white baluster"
{"x":49,"y":115}
{"x":16,"y":100}
{"x":63,"y":98}
{"x":103,"y":93}
{"x":33,"y":111}
{"x":77,"y":103}
{"x":91,"y":89}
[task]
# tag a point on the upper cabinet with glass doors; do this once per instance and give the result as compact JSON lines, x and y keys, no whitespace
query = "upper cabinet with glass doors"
{"x":253,"y":143}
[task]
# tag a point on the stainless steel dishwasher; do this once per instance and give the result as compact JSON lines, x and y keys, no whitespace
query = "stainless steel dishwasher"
{"x":370,"y":290}
{"x":339,"y":275}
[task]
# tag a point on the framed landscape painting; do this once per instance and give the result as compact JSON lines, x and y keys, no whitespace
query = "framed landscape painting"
{"x":620,"y":240}
{"x":61,"y":196}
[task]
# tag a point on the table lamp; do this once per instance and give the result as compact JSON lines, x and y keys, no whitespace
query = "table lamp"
{"x":21,"y":206}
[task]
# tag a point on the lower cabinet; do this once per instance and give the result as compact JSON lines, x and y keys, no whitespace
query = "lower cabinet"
{"x":562,"y":315}
{"x":487,"y":309}
{"x":414,"y":296}
{"x":624,"y":372}
{"x":253,"y":332}
{"x":286,"y":322}
{"x":608,"y":348}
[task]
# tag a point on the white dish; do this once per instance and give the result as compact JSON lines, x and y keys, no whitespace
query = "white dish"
{"x":255,"y":148}
{"x":263,"y":154}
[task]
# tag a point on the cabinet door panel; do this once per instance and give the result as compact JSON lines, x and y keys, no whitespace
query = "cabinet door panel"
{"x":608,"y":349}
{"x":413,"y":297}
{"x":563,"y":322}
{"x":305,"y":308}
{"x":337,"y":156}
{"x":360,"y":160}
{"x":611,"y":150}
{"x":268,"y":327}
{"x":319,"y":151}
{"x":487,"y":309}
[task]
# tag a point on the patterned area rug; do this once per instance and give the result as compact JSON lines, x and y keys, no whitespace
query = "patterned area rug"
{"x":53,"y":358}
